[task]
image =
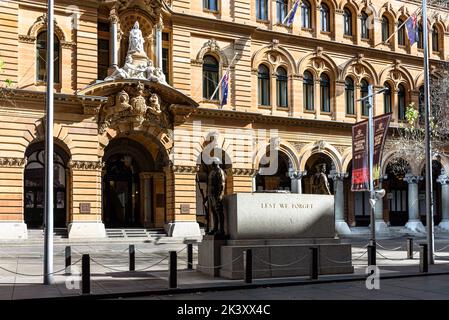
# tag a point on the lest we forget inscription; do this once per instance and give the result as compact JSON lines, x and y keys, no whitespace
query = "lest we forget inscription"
{"x":279,"y":216}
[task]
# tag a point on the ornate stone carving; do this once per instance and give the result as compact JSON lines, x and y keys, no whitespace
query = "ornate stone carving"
{"x":297,"y":174}
{"x":338,"y":175}
{"x":243,"y":172}
{"x":411,"y":178}
{"x":443,"y":178}
{"x":184,"y":169}
{"x":12,"y":162}
{"x":86,"y":165}
{"x":26,"y":38}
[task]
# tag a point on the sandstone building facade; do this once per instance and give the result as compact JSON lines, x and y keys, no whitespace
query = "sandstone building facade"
{"x":292,"y":93}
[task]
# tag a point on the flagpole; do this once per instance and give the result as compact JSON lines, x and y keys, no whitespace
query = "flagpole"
{"x":428,"y":151}
{"x":48,"y":206}
{"x":290,"y":12}
{"x":222,"y":77}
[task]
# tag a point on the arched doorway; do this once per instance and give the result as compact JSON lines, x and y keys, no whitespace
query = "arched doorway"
{"x":279,"y":179}
{"x":312,"y":167}
{"x":436,"y":193}
{"x":132,"y":182}
{"x":396,"y":188}
{"x":35,"y":182}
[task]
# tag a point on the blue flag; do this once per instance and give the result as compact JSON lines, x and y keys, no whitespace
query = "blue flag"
{"x":224,"y":89}
{"x":292,"y":14}
{"x":412,"y":29}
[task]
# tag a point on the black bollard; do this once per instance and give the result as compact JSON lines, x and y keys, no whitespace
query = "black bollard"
{"x":314,"y":263}
{"x":189,"y":256}
{"x":423,"y":259}
{"x":132,"y":258}
{"x":172,"y":277}
{"x":68,"y":260}
{"x":409,"y":248}
{"x":371,"y":254}
{"x":248,"y":265}
{"x":85,"y":274}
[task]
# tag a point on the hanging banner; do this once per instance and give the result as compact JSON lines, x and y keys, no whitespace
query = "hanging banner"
{"x":360,"y":152}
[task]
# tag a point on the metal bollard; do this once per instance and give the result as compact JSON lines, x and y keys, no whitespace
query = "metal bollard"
{"x":85,"y":274}
{"x":248,"y":265}
{"x":172,"y":277}
{"x":189,"y":256}
{"x":409,"y":248}
{"x":423,"y":259}
{"x":371,"y":254}
{"x":132,"y":258}
{"x":314,"y":263}
{"x":68,"y":260}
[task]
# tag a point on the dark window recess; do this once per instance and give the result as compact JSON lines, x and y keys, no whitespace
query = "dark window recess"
{"x":41,"y":58}
{"x":103,"y":26}
{"x":103,"y":58}
{"x":165,"y":58}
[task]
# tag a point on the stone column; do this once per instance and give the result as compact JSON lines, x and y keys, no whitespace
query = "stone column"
{"x":145,"y":198}
{"x":414,"y":223}
{"x":341,"y":227}
{"x":296,"y":177}
{"x":114,"y":40}
{"x":444,"y":180}
{"x":159,"y":28}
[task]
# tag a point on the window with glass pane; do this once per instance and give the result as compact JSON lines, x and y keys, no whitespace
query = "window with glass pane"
{"x":421,"y":109}
{"x":364,"y":26}
{"x":385,"y":28}
{"x":401,"y":33}
{"x":210,"y":5}
{"x":210,"y":77}
{"x":435,"y":39}
{"x":364,"y":93}
{"x":281,"y":10}
{"x":349,"y":95}
{"x":306,"y":14}
{"x":41,"y":57}
{"x":325,"y":93}
{"x":420,"y":36}
{"x":401,"y":102}
{"x":282,"y":87}
{"x":262,"y":9}
{"x":325,"y":23}
{"x":264,"y":85}
{"x":347,"y":22}
{"x":387,"y":98}
{"x":103,"y":58}
{"x":308,"y":91}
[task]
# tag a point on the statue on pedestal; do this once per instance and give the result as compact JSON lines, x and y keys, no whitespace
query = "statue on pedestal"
{"x":136,"y":39}
{"x":215,"y":192}
{"x":320,"y":182}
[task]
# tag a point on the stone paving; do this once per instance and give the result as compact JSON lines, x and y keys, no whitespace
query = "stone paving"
{"x":21,"y":270}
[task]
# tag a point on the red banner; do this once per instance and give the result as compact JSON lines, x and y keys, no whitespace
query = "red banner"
{"x":360,"y":152}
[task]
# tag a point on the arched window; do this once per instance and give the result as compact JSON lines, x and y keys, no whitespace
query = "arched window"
{"x":387,"y":98}
{"x":349,"y":95}
{"x":401,"y":102}
{"x":385,"y":28}
{"x":401,"y":33}
{"x":306,"y":15}
{"x":421,"y":106}
{"x":420,"y":36}
{"x":264,"y":85}
{"x":210,"y":5}
{"x":282,"y":87}
{"x":435,"y":39}
{"x":308,"y":91}
{"x":281,"y":10}
{"x":262,"y":9}
{"x":41,"y":57}
{"x":210,"y":77}
{"x":363,"y":93}
{"x":325,"y":93}
{"x":325,"y":18}
{"x":364,"y":34}
{"x":347,"y":22}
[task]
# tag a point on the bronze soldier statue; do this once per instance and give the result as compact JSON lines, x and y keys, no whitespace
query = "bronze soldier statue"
{"x":215,"y":192}
{"x":320,"y":182}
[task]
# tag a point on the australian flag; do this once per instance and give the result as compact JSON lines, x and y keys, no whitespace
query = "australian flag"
{"x":412,"y":29}
{"x":224,"y":89}
{"x":292,"y":14}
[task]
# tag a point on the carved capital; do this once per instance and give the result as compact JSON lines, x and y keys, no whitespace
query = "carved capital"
{"x":410,"y":178}
{"x":12,"y":162}
{"x":86,"y":165}
{"x":443,"y":179}
{"x":297,"y":174}
{"x":338,"y":176}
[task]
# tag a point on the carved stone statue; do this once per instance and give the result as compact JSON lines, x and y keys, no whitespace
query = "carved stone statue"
{"x":215,"y":192}
{"x":136,"y":39}
{"x":320,"y":182}
{"x":138,"y":103}
{"x":155,"y":106}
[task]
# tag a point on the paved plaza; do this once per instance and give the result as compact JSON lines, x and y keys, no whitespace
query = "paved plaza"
{"x":21,"y":266}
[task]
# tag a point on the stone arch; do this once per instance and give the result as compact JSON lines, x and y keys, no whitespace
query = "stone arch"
{"x":352,"y":5}
{"x":211,"y":47}
{"x":320,"y":147}
{"x":391,"y":155}
{"x":283,"y":146}
{"x":346,"y":159}
{"x":319,"y":62}
{"x":274,"y":55}
{"x":41,"y":24}
{"x":444,"y":161}
{"x":388,"y":10}
{"x":397,"y":74}
{"x":360,"y":69}
{"x":207,"y":138}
